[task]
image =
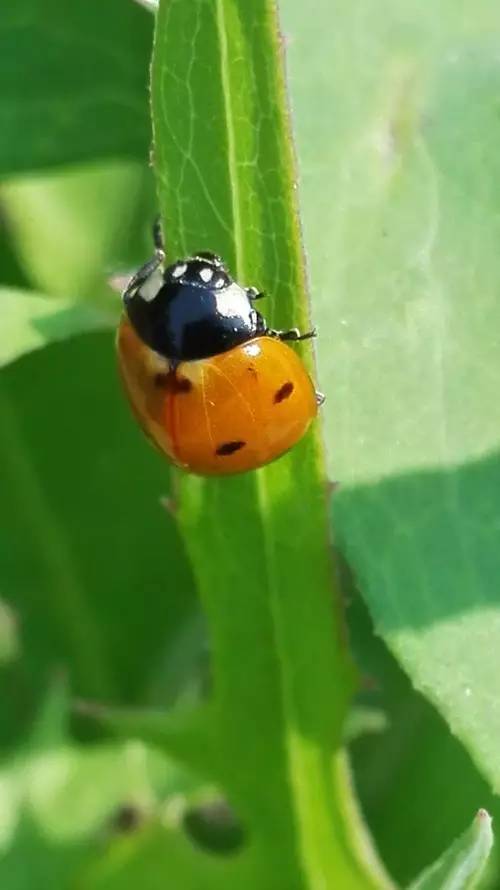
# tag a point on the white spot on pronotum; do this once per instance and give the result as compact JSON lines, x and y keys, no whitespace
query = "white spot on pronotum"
{"x":151,"y":286}
{"x":206,"y":274}
{"x":232,"y":302}
{"x":178,"y":270}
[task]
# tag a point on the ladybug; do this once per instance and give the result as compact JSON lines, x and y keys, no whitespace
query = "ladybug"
{"x":213,"y":386}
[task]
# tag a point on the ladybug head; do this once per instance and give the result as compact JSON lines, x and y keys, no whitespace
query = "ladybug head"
{"x":192,"y":309}
{"x":205,"y":270}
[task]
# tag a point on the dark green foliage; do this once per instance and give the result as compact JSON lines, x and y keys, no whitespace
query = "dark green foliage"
{"x":106,"y":554}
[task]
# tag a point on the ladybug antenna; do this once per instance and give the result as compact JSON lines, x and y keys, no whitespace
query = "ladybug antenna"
{"x":148,"y":269}
{"x":158,"y":239}
{"x":254,"y":293}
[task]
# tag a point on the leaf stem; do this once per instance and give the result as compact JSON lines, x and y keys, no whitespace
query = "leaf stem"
{"x":259,"y":544}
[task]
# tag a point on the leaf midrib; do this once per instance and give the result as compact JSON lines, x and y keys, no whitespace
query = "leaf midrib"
{"x":231,"y":140}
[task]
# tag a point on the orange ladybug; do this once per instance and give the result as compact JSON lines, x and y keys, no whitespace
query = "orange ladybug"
{"x":211,"y":385}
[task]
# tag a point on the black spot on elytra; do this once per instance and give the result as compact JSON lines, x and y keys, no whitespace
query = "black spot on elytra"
{"x":173,"y":383}
{"x":229,"y":448}
{"x":284,"y":392}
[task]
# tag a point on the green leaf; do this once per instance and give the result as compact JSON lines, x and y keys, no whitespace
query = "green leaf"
{"x":186,"y":734}
{"x":161,"y":857}
{"x":460,"y":868}
{"x":75,"y":227}
{"x":92,"y":816}
{"x":258,"y":544}
{"x":362,"y":720}
{"x":59,"y":802}
{"x":151,"y":5}
{"x":30,"y":321}
{"x":402,"y":226}
{"x":415,"y":759}
{"x":9,"y":638}
{"x":13,"y":274}
{"x":72,"y":82}
{"x":91,"y":564}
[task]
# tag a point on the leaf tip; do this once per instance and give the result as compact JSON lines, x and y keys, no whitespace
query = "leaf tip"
{"x":483,"y":831}
{"x":483,"y":819}
{"x":151,"y":5}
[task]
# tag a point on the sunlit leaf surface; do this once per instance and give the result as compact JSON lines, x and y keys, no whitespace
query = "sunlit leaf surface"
{"x":402,"y":225}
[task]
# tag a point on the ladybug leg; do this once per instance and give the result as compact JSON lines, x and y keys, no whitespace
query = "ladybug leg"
{"x":292,"y":334}
{"x":158,"y":239}
{"x":254,"y":294}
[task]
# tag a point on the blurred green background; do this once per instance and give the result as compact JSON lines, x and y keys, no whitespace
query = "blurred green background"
{"x":97,"y":600}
